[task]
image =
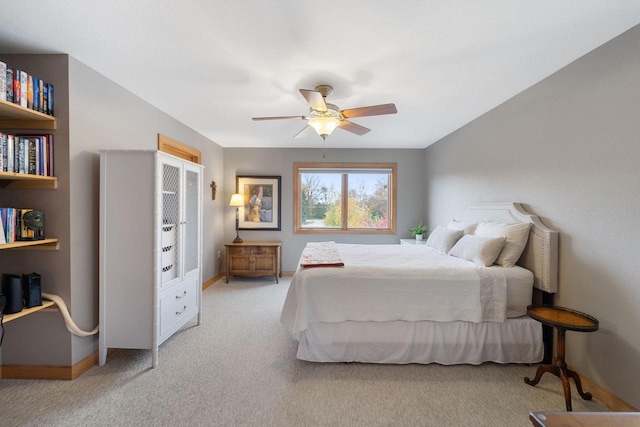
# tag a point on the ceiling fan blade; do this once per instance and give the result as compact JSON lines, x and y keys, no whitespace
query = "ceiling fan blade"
{"x":374,"y":110}
{"x":315,"y":99}
{"x":280,"y":118}
{"x":308,"y":130}
{"x":353,"y":128}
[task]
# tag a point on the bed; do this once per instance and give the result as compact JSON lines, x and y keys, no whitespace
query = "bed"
{"x":414,"y":304}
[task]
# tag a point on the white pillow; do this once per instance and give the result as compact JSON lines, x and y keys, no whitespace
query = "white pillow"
{"x":517,"y":235}
{"x":467,"y":227}
{"x":481,"y":250}
{"x":442,"y":239}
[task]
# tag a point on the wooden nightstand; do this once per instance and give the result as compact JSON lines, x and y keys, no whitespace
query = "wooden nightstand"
{"x":253,"y":259}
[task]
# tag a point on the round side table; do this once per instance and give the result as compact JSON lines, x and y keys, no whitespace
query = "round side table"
{"x":562,"y":319}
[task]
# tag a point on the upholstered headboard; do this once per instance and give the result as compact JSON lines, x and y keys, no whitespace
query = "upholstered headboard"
{"x":540,"y":256}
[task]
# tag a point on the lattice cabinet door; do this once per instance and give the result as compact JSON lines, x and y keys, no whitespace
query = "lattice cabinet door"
{"x":171,"y":219}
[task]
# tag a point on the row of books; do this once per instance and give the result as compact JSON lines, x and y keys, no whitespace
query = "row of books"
{"x":30,"y":154}
{"x":20,"y":225}
{"x":28,"y":91}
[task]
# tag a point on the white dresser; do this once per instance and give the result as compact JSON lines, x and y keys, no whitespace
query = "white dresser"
{"x":150,"y":248}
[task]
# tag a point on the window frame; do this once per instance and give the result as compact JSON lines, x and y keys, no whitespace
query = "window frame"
{"x":297,"y":199}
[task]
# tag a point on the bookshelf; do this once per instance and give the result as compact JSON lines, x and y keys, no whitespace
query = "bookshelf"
{"x":45,"y":244}
{"x":25,"y":181}
{"x":15,"y":116}
{"x":26,"y":311}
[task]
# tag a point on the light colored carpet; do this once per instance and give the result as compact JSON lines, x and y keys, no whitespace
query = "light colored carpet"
{"x":239,"y":369}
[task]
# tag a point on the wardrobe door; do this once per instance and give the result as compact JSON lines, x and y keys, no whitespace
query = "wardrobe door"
{"x":191,"y":226}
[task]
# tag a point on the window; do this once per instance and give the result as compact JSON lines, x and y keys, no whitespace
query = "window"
{"x":344,"y":198}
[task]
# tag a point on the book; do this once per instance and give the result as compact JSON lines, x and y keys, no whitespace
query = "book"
{"x":50,"y":157}
{"x":36,"y":93}
{"x":45,"y":98}
{"x":3,"y":223}
{"x":23,"y":88}
{"x":16,"y":86}
{"x":21,"y":155}
{"x":8,"y":217}
{"x":12,"y":224}
{"x":9,"y":84}
{"x":39,"y":154}
{"x":32,"y":156}
{"x":3,"y":81}
{"x":3,"y":152}
{"x":3,"y":239}
{"x":10,"y":156}
{"x":30,"y":92}
{"x":41,"y":87}
{"x":50,"y":99}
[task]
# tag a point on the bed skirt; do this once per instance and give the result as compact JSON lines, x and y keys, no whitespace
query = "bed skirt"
{"x":517,"y":340}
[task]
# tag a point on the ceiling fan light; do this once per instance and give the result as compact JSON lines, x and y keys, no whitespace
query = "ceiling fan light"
{"x":324,"y":125}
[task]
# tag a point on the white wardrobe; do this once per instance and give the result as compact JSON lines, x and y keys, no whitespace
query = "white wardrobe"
{"x":150,"y":248}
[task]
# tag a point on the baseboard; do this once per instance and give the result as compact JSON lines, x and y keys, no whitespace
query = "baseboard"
{"x":45,"y":372}
{"x":601,"y":394}
{"x":604,"y":396}
{"x":287,"y":273}
{"x":48,"y":372}
{"x":213,"y":280}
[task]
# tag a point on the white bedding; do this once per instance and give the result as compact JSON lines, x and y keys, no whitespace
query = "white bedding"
{"x":516,"y":340}
{"x":401,"y":282}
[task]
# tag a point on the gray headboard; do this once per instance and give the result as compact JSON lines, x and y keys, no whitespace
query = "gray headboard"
{"x":540,"y":256}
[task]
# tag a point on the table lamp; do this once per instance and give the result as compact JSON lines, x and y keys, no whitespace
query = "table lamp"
{"x":236,"y":201}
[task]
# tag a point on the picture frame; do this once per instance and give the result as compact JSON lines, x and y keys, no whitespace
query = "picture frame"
{"x":262,"y":202}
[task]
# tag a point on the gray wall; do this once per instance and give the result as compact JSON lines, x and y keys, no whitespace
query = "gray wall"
{"x":98,"y":115}
{"x":567,"y":148}
{"x":267,"y":162}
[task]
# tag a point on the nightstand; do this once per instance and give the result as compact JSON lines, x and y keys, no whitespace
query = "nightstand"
{"x":412,"y":242}
{"x":253,"y":259}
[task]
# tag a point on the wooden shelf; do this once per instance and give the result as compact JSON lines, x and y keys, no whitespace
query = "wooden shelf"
{"x":38,"y":245}
{"x":14,"y":116}
{"x":27,"y":311}
{"x":26,"y":181}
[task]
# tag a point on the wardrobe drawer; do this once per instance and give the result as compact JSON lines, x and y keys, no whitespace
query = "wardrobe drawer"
{"x":176,"y":305}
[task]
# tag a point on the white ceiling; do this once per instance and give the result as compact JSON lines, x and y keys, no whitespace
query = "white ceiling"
{"x":215,"y":64}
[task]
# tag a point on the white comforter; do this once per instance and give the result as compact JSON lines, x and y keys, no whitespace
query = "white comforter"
{"x":394,"y":282}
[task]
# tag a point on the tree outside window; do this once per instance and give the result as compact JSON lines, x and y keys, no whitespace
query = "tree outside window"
{"x":344,"y":197}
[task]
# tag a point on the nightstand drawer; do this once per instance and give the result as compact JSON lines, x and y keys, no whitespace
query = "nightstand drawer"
{"x":263,"y":250}
{"x":252,"y":250}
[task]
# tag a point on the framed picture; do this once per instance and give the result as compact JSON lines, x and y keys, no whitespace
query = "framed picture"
{"x":261,"y":210}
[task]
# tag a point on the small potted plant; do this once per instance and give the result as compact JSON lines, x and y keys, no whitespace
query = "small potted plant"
{"x":418,"y":231}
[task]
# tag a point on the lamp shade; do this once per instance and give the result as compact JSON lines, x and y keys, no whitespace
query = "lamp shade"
{"x":236,"y":200}
{"x":324,"y":125}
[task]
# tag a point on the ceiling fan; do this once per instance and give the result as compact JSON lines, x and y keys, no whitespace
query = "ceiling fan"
{"x":324,"y":117}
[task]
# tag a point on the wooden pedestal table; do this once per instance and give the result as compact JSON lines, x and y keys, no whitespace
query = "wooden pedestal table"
{"x":562,"y":319}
